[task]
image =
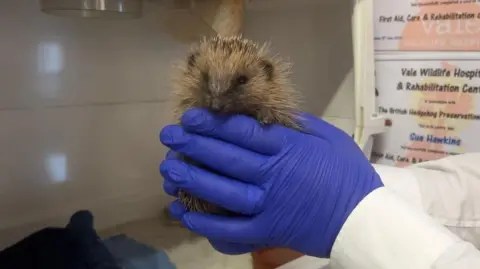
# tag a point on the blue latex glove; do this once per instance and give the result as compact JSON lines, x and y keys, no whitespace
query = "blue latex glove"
{"x":296,"y":189}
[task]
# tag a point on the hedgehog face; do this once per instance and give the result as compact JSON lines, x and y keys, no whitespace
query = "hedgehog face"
{"x":229,"y":81}
{"x":235,"y":76}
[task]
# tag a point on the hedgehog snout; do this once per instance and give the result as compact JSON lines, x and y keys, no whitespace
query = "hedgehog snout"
{"x":216,"y":105}
{"x":222,"y":105}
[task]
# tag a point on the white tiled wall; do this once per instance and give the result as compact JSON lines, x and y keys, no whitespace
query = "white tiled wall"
{"x":81,"y":104}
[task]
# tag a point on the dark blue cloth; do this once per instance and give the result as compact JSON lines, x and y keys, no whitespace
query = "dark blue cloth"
{"x":77,"y":246}
{"x":131,"y":254}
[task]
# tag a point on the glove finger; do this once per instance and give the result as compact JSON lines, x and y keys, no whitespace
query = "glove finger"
{"x":230,"y":194}
{"x":223,"y":157}
{"x":177,"y":209}
{"x":240,"y":130}
{"x":240,"y":230}
{"x":231,"y":248}
{"x":170,"y":188}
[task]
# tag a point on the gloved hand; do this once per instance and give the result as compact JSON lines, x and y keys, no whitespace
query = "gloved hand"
{"x":296,"y":190}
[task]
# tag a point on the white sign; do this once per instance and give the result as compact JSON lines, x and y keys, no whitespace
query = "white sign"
{"x":427,"y":25}
{"x":434,"y":107}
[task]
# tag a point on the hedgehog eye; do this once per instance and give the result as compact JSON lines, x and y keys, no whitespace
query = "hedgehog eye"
{"x":241,"y":80}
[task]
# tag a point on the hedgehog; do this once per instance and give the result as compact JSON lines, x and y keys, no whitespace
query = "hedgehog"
{"x":234,"y":75}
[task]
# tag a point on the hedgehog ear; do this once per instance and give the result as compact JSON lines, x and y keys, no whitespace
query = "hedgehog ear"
{"x":192,"y":59}
{"x":267,"y":67}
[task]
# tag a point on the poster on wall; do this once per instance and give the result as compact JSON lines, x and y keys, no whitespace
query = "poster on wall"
{"x":427,"y":25}
{"x":434,"y":107}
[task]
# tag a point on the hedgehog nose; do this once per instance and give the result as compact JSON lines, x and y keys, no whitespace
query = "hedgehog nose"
{"x":216,"y":105}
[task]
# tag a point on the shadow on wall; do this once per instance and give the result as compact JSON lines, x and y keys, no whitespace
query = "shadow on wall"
{"x":318,"y":41}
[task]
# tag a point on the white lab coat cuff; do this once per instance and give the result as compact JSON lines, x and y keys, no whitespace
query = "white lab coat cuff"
{"x":402,"y":182}
{"x":385,"y":232}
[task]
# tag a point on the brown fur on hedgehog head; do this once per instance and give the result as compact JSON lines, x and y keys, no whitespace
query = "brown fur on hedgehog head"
{"x":235,"y":75}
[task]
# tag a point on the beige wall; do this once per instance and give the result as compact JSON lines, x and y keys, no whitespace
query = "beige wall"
{"x":81,"y":104}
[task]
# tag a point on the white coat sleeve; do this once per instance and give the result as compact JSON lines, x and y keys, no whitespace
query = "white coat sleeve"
{"x":427,"y":216}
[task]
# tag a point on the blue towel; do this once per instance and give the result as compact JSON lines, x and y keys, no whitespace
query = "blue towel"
{"x":131,"y":254}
